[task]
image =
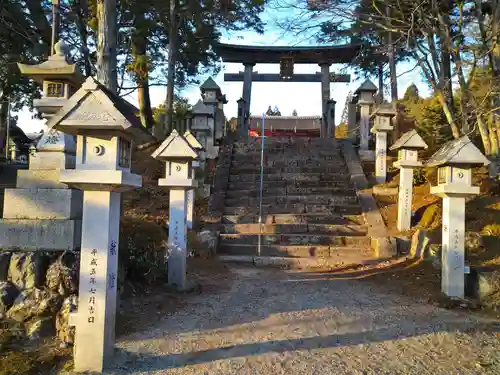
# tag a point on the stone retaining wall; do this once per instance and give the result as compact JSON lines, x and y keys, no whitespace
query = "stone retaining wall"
{"x":37,"y":293}
{"x":221,"y":179}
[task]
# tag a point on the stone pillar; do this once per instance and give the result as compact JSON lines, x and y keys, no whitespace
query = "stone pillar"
{"x":381,"y":157}
{"x":325,"y":96}
{"x":455,"y":161}
{"x":247,"y":87}
{"x":352,"y":111}
{"x":177,"y":238}
{"x":453,"y":249}
{"x":405,"y":199}
{"x":189,"y":208}
{"x":408,"y":146}
{"x":242,"y":124}
{"x":331,"y":118}
{"x":95,"y":331}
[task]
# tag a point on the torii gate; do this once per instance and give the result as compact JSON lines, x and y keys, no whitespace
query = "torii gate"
{"x":324,"y":56}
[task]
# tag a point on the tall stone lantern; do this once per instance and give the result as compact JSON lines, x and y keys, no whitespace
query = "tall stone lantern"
{"x":179,"y":156}
{"x":382,"y":125}
{"x":407,"y":146}
{"x":365,"y":94}
{"x":106,"y":128}
{"x":197,"y":165}
{"x":455,"y":161}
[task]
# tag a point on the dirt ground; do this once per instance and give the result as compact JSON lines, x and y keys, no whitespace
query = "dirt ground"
{"x":268,"y":321}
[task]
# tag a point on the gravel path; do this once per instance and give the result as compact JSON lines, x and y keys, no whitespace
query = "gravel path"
{"x":279,"y":322}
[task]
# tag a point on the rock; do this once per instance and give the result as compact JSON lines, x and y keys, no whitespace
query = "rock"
{"x":4,"y":265}
{"x":34,"y":302}
{"x":434,"y":255}
{"x":66,"y":333}
{"x":403,"y":245}
{"x":27,"y":269}
{"x":473,"y":241}
{"x":62,"y":275}
{"x":420,"y":241}
{"x":39,"y":327}
{"x":483,"y":284}
{"x":8,"y":294}
{"x":207,"y":242}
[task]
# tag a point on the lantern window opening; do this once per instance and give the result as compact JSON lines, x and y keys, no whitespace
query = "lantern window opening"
{"x":124,"y":153}
{"x":55,"y":89}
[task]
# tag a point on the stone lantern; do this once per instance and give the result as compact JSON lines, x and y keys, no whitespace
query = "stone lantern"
{"x":330,"y":120}
{"x":455,"y":161}
{"x":106,"y":127}
{"x":197,"y":164}
{"x":210,"y":92}
{"x":382,"y":125}
{"x":242,"y":128}
{"x":58,"y":78}
{"x":179,"y":178}
{"x":365,"y":94}
{"x":407,"y":146}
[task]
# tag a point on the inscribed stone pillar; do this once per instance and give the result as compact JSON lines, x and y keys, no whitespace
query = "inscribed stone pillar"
{"x":365,"y":101}
{"x":405,"y":199}
{"x":95,"y":333}
{"x":381,"y":157}
{"x":453,"y":252}
{"x":177,"y":238}
{"x":247,"y":87}
{"x":325,"y":96}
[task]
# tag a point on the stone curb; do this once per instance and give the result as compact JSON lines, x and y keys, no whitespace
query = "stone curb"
{"x":381,"y":243}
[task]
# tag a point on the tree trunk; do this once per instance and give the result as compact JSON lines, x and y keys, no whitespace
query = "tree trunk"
{"x":485,"y":136}
{"x":172,"y":54}
{"x":141,"y":63}
{"x":37,"y":12}
{"x":381,"y":82}
{"x":81,"y":10}
{"x":392,"y":60}
{"x":449,"y":114}
{"x":106,"y":43}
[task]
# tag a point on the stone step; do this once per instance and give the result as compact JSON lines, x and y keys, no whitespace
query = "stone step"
{"x":325,"y":219}
{"x":290,"y":190}
{"x":344,"y":255}
{"x":330,"y":229}
{"x":289,"y":163}
{"x":256,"y":169}
{"x":255,"y":185}
{"x":297,"y":208}
{"x":311,"y":177}
{"x":300,"y":239}
{"x":292,"y":199}
{"x":294,"y":154}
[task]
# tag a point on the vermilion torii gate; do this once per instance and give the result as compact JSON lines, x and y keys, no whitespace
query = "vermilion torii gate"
{"x":324,"y":56}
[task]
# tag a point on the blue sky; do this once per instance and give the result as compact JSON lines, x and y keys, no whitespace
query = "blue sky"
{"x":303,"y":97}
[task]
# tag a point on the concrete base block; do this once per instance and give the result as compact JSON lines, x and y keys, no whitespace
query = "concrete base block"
{"x":366,"y":155}
{"x":32,"y":235}
{"x":44,"y":179}
{"x":42,"y":204}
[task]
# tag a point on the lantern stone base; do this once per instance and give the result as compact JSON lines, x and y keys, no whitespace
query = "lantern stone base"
{"x":43,"y":204}
{"x":101,"y":180}
{"x":42,"y":234}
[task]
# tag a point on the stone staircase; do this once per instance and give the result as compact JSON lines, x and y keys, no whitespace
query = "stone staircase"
{"x":310,"y":208}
